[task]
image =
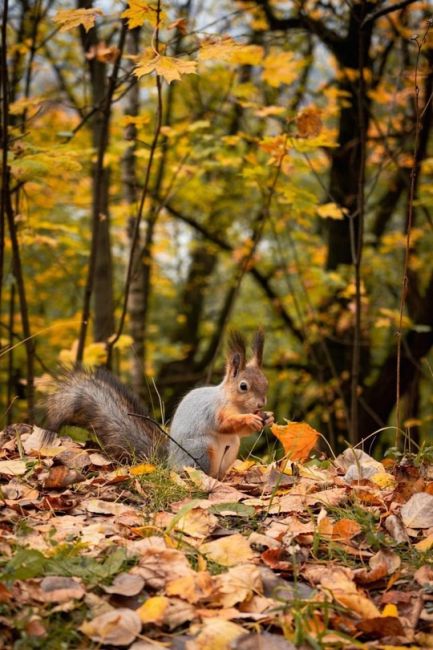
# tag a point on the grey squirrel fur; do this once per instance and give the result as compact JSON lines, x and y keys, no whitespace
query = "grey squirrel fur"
{"x":206,"y":427}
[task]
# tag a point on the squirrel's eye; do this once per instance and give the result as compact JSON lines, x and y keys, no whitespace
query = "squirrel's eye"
{"x":243,"y":386}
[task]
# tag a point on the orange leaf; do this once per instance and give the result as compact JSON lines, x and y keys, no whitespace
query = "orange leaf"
{"x":297,"y":438}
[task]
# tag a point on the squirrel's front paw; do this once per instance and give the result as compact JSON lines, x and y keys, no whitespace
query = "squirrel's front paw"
{"x":253,"y":421}
{"x":267,"y":418}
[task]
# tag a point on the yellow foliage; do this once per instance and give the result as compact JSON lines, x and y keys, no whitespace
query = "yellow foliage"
{"x":166,"y":66}
{"x":70,"y":18}
{"x":281,"y":68}
{"x":140,"y":12}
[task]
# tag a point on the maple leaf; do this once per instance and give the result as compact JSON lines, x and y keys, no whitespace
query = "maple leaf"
{"x":166,"y":66}
{"x":140,"y":12}
{"x":225,"y":48}
{"x":297,"y":438}
{"x":280,"y":68}
{"x":70,"y":18}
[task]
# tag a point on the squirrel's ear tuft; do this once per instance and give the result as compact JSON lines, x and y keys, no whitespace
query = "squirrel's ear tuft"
{"x":258,"y":344}
{"x":236,"y":356}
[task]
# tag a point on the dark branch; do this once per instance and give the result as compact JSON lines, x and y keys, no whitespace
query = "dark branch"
{"x":374,"y":15}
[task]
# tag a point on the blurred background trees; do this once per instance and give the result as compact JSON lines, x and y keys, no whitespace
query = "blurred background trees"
{"x":268,"y":163}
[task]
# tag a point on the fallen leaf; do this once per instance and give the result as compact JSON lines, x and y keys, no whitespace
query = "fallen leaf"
{"x":216,"y":634}
{"x":153,"y":610}
{"x":100,"y":507}
{"x":229,"y":550}
{"x":418,"y":511}
{"x":238,"y":584}
{"x":60,"y":589}
{"x":126,"y":584}
{"x":192,"y":587}
{"x":119,"y":627}
{"x":425,"y":544}
{"x":344,"y":591}
{"x":61,"y":477}
{"x":13,"y":467}
{"x":382,"y":626}
{"x":345,"y":529}
{"x":297,"y":438}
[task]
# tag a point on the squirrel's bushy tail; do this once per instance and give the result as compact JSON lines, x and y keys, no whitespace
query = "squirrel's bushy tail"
{"x":98,"y":402}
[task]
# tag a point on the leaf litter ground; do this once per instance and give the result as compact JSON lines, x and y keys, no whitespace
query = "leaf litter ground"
{"x":309,"y":555}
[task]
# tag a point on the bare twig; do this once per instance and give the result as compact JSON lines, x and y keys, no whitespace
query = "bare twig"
{"x":412,"y":188}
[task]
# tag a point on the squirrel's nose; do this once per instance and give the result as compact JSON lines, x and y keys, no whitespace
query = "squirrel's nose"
{"x":261,"y":403}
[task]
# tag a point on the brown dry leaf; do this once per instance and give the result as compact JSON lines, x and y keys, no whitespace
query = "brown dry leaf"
{"x":297,"y":438}
{"x":395,"y":528}
{"x":309,"y":122}
{"x":239,"y":584}
{"x":424,"y":575}
{"x":382,"y":564}
{"x":100,"y":507}
{"x":331,"y":497}
{"x":228,"y":551}
{"x":61,"y":477}
{"x":197,"y":523}
{"x":344,"y":591}
{"x":382,"y":626}
{"x":192,"y":587}
{"x":126,"y":584}
{"x":418,"y":511}
{"x":13,"y":467}
{"x":103,"y":52}
{"x":345,"y":529}
{"x":158,"y":565}
{"x":60,"y":589}
{"x":216,"y":634}
{"x":119,"y":627}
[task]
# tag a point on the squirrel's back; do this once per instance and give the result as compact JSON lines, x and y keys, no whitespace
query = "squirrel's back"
{"x":97,"y":401}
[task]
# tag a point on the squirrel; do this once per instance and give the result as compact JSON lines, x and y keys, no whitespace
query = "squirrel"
{"x":207,"y":425}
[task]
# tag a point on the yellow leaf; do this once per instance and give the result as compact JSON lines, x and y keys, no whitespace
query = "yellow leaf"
{"x":70,"y":18}
{"x":383,"y":480}
{"x":166,"y":66}
{"x":144,"y":468}
{"x":228,"y":551}
{"x":139,"y":12}
{"x":153,"y":610}
{"x":297,"y":438}
{"x":225,"y":48}
{"x":425,"y":544}
{"x":281,"y":68}
{"x":390,"y":610}
{"x":331,"y":211}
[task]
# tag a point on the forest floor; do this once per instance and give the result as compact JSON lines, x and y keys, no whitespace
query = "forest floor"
{"x":322,"y":554}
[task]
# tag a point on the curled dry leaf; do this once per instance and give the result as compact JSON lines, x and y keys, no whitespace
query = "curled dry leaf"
{"x":239,"y":584}
{"x":119,"y":627}
{"x":157,"y":566}
{"x":228,"y":551}
{"x":344,"y":591}
{"x":396,"y":529}
{"x":60,"y":589}
{"x":161,"y":610}
{"x":418,"y":511}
